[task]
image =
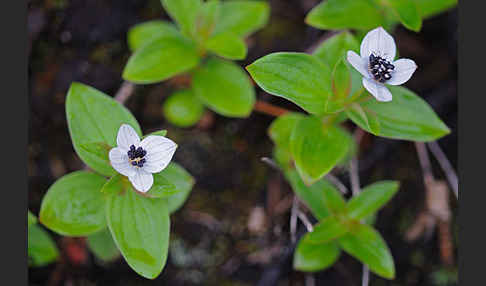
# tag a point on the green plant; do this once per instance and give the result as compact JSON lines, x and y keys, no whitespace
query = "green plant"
{"x":207,"y":35}
{"x":132,"y":203}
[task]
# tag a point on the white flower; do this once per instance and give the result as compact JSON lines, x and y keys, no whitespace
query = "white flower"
{"x":377,"y":64}
{"x":139,"y":159}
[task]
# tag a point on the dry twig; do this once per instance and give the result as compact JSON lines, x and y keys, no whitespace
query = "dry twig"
{"x":124,"y":92}
{"x":446,"y":166}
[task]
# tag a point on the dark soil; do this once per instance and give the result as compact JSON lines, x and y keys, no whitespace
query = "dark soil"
{"x":85,"y":40}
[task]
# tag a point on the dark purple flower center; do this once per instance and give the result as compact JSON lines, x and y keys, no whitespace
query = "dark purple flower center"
{"x":380,"y":68}
{"x":136,"y":156}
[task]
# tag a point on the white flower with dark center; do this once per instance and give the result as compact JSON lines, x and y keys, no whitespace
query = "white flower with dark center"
{"x":139,"y":159}
{"x":377,"y":64}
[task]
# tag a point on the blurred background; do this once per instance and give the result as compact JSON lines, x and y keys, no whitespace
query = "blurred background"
{"x":234,"y":228}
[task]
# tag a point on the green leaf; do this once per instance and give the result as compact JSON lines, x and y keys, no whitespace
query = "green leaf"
{"x":341,"y":87}
{"x":102,"y":245}
{"x":298,"y":77}
{"x":336,"y":48}
{"x":183,"y":181}
{"x":322,"y":198}
{"x":242,"y":17}
{"x":183,"y":109}
{"x":141,"y":34}
{"x":345,"y":14}
{"x":207,"y":18}
{"x":157,"y":133}
{"x":406,"y":117}
{"x":407,"y":13}
{"x":283,"y":158}
{"x":41,"y":249}
{"x":317,"y":148}
{"x":161,"y":59}
{"x":282,"y":127}
{"x":161,"y":188}
{"x":366,"y":244}
{"x":99,"y":150}
{"x":429,"y":8}
{"x":371,"y":199}
{"x":315,"y":257}
{"x":31,"y":219}
{"x":184,"y":12}
{"x":341,"y":80}
{"x":224,"y":87}
{"x":327,"y":230}
{"x":116,"y":184}
{"x":140,"y":227}
{"x":227,"y":45}
{"x":86,"y":111}
{"x":365,"y":116}
{"x":74,"y":205}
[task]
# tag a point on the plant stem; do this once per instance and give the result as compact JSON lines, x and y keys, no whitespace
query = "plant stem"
{"x":124,"y":92}
{"x":445,"y":165}
{"x":269,"y":109}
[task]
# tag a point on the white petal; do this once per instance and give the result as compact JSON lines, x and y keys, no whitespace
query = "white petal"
{"x":141,"y":180}
{"x":404,"y":69}
{"x":378,"y":41}
{"x":119,"y":160}
{"x":127,"y":136}
{"x":159,"y":152}
{"x":379,"y":91}
{"x":358,"y":63}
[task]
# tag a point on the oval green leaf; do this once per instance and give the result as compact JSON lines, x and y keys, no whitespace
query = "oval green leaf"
{"x":366,"y":244}
{"x":86,"y":111}
{"x":41,"y":249}
{"x":345,"y":14}
{"x":100,"y":150}
{"x":74,"y":205}
{"x":297,"y":77}
{"x":143,"y":33}
{"x":227,"y":45}
{"x":183,"y":12}
{"x":407,"y":13}
{"x":359,"y":114}
{"x":317,"y":148}
{"x":429,"y":8}
{"x":183,"y":109}
{"x":224,"y":87}
{"x":282,"y":127}
{"x":315,"y":257}
{"x":207,"y":18}
{"x":183,"y":181}
{"x":242,"y":17}
{"x":31,"y":219}
{"x":161,"y":59}
{"x":371,"y":199}
{"x":140,"y":227}
{"x":406,"y":117}
{"x":325,"y":231}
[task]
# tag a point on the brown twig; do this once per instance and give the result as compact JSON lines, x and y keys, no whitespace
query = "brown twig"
{"x":269,"y":109}
{"x":124,"y":92}
{"x":437,"y":211}
{"x":293,"y":219}
{"x":446,"y":166}
{"x":305,"y":220}
{"x":336,"y":182}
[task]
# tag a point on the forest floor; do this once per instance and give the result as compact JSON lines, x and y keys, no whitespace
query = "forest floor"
{"x":234,"y":228}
